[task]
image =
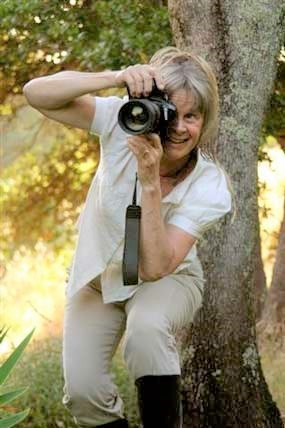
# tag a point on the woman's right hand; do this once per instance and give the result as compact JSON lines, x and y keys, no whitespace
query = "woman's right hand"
{"x":139,"y":79}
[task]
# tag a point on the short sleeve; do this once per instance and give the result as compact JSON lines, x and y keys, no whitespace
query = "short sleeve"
{"x":106,"y":114}
{"x":207,"y":200}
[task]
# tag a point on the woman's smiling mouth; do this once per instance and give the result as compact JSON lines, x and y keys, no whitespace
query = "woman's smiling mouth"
{"x":176,"y":141}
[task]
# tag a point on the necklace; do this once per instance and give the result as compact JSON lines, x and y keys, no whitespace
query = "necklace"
{"x":174,"y":175}
{"x":168,"y":182}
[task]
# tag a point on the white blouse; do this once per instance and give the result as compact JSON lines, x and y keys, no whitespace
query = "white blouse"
{"x":194,"y":205}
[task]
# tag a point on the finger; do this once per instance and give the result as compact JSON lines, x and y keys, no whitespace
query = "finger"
{"x":141,"y":140}
{"x":133,"y":141}
{"x":148,"y":76}
{"x":133,"y":144}
{"x":147,"y":143}
{"x":137,"y":76}
{"x":155,"y":140}
{"x":137,"y":139}
{"x":142,"y":152}
{"x":133,"y":150}
{"x":130,"y":82}
{"x":139,"y":84}
{"x":148,"y":84}
{"x":139,"y":145}
{"x":152,"y":137}
{"x":159,"y":80}
{"x":146,"y":154}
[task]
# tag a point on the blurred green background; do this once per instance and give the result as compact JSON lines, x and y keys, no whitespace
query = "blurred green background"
{"x":46,"y":170}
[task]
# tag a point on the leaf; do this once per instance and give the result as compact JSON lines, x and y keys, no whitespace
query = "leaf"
{"x":3,"y":333}
{"x":8,"y":365}
{"x":12,"y":420}
{"x":9,"y":396}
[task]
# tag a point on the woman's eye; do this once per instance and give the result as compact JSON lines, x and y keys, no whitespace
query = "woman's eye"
{"x":190,"y":115}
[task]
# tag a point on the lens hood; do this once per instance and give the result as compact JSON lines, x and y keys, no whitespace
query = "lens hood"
{"x":139,"y":116}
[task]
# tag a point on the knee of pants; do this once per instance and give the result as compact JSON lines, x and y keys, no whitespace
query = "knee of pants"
{"x":149,"y":348}
{"x":89,"y":400}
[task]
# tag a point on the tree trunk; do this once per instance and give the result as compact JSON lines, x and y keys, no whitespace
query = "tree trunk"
{"x":272,"y":324}
{"x":223,"y":381}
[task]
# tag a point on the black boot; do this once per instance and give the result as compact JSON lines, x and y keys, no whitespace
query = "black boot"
{"x":120,"y":423}
{"x":159,"y":401}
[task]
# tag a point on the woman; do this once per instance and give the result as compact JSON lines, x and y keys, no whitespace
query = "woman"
{"x":182,"y":191}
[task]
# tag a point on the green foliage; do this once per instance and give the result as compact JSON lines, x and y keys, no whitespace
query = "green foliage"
{"x":3,"y":332}
{"x":5,"y":370}
{"x":40,"y":197}
{"x":43,"y":365}
{"x":46,"y":192}
{"x":274,"y":122}
{"x":41,"y":37}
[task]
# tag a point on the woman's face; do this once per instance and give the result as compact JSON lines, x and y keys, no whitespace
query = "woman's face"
{"x":184,"y":135}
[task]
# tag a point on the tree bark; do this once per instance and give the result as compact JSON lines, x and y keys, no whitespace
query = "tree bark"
{"x":272,"y":324}
{"x":223,"y":383}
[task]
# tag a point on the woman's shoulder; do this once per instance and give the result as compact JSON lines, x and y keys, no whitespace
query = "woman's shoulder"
{"x":209,"y":162}
{"x":106,"y":113}
{"x":208,"y":169}
{"x":210,"y":181}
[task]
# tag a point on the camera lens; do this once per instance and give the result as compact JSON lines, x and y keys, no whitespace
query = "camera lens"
{"x":139,"y":117}
{"x":136,"y":118}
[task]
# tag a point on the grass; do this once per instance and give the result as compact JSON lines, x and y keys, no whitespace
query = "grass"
{"x":41,"y":369}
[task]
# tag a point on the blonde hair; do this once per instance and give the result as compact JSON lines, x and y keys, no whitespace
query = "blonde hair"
{"x":184,"y":70}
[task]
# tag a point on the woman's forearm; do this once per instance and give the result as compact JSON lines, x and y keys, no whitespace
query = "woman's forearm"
{"x":155,"y":250}
{"x":59,"y":89}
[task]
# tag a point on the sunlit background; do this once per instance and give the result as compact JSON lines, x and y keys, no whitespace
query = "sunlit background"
{"x":272,"y":175}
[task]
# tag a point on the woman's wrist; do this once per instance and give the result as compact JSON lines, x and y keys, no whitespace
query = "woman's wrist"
{"x":151,"y":188}
{"x":105,"y":80}
{"x":119,"y":79}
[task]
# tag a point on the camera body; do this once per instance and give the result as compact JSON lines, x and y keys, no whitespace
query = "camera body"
{"x":151,"y":114}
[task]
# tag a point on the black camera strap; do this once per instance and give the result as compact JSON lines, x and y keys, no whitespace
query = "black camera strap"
{"x":132,"y":241}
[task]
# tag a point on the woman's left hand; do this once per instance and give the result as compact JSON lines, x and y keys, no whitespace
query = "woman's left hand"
{"x":148,"y":151}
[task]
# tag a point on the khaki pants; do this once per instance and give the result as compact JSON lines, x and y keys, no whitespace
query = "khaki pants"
{"x":92,"y":333}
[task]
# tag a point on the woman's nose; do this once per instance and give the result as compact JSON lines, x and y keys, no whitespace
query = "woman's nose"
{"x":180,"y":126}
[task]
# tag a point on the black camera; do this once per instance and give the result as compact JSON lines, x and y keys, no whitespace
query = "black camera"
{"x":152,"y":114}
